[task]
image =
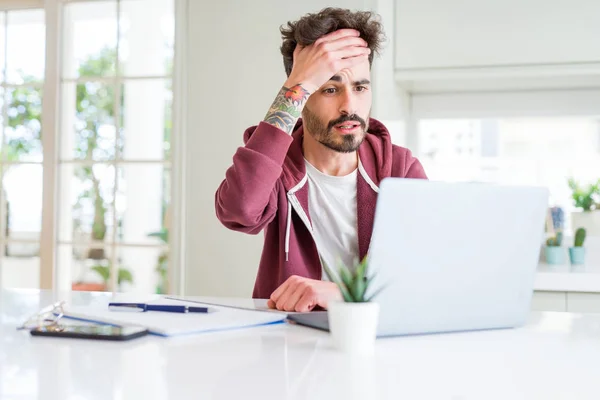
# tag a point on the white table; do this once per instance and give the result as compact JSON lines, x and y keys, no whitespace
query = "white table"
{"x":556,"y":356}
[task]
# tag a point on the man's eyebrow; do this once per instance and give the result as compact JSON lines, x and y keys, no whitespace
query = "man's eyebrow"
{"x":338,"y":78}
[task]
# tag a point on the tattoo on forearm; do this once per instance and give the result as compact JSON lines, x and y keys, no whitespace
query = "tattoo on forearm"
{"x":287,"y":108}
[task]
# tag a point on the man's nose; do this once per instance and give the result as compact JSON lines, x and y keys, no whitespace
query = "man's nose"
{"x":347,"y":103}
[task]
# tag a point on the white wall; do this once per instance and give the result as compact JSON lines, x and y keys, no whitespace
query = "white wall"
{"x":496,"y":45}
{"x":391,"y":102}
{"x":234,"y":72}
{"x":507,"y":104}
{"x":467,"y":33}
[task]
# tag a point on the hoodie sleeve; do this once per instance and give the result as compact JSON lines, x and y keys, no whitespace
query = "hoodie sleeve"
{"x":405,"y":165}
{"x":246,"y":199}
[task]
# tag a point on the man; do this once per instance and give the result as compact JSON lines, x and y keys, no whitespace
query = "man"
{"x":311,"y":183}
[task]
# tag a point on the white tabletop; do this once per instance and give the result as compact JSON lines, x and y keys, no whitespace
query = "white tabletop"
{"x":556,"y":356}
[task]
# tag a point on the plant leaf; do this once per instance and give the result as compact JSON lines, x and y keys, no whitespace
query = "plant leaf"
{"x":125,"y":276}
{"x":362,"y":269}
{"x":346,"y":276}
{"x":359,"y":288}
{"x":103,"y":271}
{"x":376,"y":293}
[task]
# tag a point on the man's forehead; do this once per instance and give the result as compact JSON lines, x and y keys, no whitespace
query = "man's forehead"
{"x":344,"y":77}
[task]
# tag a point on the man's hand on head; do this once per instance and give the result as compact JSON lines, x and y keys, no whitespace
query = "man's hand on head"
{"x":303,"y":294}
{"x":315,"y":64}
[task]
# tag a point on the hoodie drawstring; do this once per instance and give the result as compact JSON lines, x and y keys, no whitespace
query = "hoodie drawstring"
{"x":287,"y":230}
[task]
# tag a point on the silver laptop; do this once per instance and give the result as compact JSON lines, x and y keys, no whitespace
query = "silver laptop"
{"x":454,"y":256}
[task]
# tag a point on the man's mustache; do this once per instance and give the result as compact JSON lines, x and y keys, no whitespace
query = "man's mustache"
{"x":346,"y":118}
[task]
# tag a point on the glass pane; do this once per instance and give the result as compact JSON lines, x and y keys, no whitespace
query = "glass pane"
{"x":3,"y":109}
{"x":23,"y":208}
{"x":516,"y":151}
{"x":89,"y":39}
{"x":147,"y":34}
{"x":26,"y":41}
{"x":142,"y":269}
{"x":88,"y":274}
{"x":21,"y":266}
{"x":146,"y":119}
{"x":22,"y":135}
{"x":2,"y":42}
{"x":85,"y":207}
{"x":142,"y":203}
{"x":92,"y":123}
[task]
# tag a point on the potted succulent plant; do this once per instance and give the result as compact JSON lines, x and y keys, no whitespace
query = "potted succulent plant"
{"x":577,"y":252}
{"x":353,"y":320}
{"x":555,"y":254}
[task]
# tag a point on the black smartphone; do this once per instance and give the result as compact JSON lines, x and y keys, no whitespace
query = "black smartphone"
{"x":98,"y":332}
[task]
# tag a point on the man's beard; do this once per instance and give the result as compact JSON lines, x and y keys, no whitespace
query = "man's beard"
{"x":325,"y":134}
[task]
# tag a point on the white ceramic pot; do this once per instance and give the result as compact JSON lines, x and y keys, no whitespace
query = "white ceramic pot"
{"x":589,"y":220}
{"x":353,"y":326}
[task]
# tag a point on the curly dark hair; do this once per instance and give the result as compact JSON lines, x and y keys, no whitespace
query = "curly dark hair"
{"x":311,"y":27}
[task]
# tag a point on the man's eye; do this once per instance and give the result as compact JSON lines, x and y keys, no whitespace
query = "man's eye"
{"x":361,"y":88}
{"x":329,"y":91}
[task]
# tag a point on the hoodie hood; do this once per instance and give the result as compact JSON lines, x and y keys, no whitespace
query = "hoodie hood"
{"x":374,"y":164}
{"x":374,"y":153}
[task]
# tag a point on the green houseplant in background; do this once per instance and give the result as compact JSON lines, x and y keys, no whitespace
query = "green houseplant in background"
{"x":22,"y":136}
{"x":162,"y":262}
{"x":577,"y":251}
{"x":353,"y":320}
{"x":94,"y":110}
{"x":586,"y":198}
{"x":104,"y":272}
{"x":555,"y":253}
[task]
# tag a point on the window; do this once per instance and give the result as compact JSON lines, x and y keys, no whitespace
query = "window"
{"x":22,"y":56}
{"x":107,"y":182}
{"x":543,"y":151}
{"x":114,"y":163}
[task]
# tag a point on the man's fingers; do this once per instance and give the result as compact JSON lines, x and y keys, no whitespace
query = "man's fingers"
{"x":340,"y":33}
{"x":351,"y":41}
{"x":295,"y":295}
{"x":271,"y":304}
{"x":307,"y":302}
{"x":349,"y":52}
{"x":351,"y":61}
{"x":285,"y":296}
{"x":280,"y":290}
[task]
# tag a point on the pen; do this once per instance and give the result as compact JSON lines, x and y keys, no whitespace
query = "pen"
{"x":141,"y":307}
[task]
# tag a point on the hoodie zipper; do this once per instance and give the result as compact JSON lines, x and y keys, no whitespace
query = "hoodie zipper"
{"x":300,"y":211}
{"x":302,"y":214}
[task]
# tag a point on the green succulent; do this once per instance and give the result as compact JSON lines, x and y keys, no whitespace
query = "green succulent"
{"x":580,"y":237}
{"x":555,"y":241}
{"x":353,"y":281}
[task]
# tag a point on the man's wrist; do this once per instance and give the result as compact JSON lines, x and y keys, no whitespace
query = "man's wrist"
{"x":287,"y":107}
{"x":306,"y":86}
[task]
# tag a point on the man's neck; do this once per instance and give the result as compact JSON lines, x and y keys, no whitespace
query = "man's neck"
{"x":326,"y":160}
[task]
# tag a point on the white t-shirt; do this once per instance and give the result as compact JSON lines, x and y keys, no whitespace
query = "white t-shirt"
{"x":332,"y":208}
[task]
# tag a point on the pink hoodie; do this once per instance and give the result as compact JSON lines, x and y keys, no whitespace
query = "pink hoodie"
{"x":266,"y":189}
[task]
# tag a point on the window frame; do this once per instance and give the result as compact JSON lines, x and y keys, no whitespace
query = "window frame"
{"x":52,"y":275}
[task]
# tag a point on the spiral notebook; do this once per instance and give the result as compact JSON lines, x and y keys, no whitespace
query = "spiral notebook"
{"x":170,"y":324}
